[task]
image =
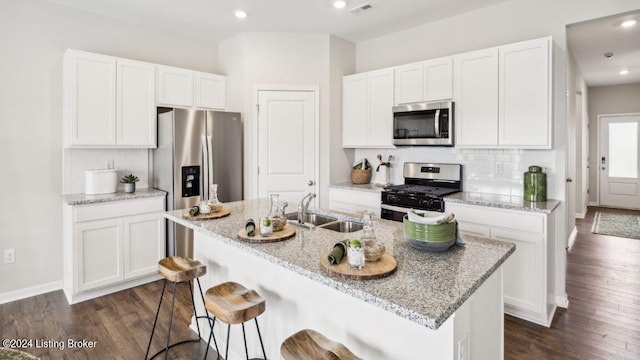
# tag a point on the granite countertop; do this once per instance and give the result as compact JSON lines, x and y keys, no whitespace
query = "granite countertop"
{"x":502,"y":201}
{"x":364,"y":187}
{"x":84,"y":199}
{"x":426,"y":288}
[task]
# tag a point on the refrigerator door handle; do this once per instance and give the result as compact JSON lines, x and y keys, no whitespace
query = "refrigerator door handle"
{"x":209,"y":164}
{"x":204,"y":187}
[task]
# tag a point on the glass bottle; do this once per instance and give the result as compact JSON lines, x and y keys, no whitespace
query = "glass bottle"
{"x":373,"y":249}
{"x":535,"y":184}
{"x":275,"y":213}
{"x":214,"y":203}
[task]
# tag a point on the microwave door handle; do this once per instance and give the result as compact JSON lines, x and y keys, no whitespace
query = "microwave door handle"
{"x":437,"y":123}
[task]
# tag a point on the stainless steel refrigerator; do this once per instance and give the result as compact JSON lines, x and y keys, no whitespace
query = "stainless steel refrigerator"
{"x":196,"y":148}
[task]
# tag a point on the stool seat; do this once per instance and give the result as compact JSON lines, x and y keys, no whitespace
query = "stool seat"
{"x":180,"y":268}
{"x":232,"y":303}
{"x":311,"y":345}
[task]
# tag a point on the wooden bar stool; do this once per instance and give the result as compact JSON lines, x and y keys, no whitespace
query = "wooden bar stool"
{"x":177,"y":269}
{"x":232,"y":303}
{"x":311,"y":345}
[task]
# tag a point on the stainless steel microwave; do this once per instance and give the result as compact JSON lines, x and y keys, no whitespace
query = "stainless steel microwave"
{"x":428,"y":123}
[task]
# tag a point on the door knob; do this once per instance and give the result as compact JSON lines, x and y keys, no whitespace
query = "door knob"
{"x":310,"y":183}
{"x":569,"y":180}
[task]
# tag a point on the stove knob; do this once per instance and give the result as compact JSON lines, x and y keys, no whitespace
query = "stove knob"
{"x":392,"y":198}
{"x":426,"y":203}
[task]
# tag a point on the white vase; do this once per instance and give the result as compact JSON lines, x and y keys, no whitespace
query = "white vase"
{"x":129,"y":187}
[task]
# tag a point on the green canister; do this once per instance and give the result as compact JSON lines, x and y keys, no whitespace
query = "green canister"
{"x":535,"y":184}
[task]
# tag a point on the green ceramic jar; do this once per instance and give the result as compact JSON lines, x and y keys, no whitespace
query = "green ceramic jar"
{"x":535,"y":184}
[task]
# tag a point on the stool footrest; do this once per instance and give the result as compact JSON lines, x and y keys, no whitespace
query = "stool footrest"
{"x":172,"y":345}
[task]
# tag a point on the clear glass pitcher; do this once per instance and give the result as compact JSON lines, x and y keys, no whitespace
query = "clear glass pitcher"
{"x":373,"y":248}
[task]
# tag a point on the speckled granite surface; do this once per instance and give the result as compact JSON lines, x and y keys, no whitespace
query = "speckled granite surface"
{"x":364,"y":187}
{"x":502,"y":201}
{"x":83,"y":199}
{"x":427,"y":287}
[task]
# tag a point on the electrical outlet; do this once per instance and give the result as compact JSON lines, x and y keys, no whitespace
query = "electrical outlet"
{"x":498,"y":167}
{"x":9,"y":256}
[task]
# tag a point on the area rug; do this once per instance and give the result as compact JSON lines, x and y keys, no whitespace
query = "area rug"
{"x":626,"y":226}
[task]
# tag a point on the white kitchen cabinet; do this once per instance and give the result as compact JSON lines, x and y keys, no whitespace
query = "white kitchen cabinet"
{"x":438,"y":79}
{"x":175,"y":86}
{"x":185,"y":88}
{"x":528,"y":272}
{"x":210,"y":91}
{"x":524,"y":111}
{"x":503,"y":96}
{"x":108,"y":101}
{"x":424,"y":81}
{"x":354,"y":201}
{"x":111,"y":246}
{"x":367,"y":109}
{"x":476,"y":98}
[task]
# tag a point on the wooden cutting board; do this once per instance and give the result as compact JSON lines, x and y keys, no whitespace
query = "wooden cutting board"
{"x":214,"y":215}
{"x":384,"y":267}
{"x":287,"y":232}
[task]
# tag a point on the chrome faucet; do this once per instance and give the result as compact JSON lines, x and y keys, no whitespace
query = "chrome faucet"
{"x":303,"y":206}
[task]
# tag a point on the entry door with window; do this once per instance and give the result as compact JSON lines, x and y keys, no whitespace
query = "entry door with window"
{"x":618,"y":160}
{"x":286,"y":144}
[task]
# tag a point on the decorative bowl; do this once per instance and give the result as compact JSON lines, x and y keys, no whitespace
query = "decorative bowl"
{"x":430,"y":237}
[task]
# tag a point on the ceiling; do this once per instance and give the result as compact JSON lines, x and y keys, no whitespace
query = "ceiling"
{"x":213,"y":20}
{"x":590,"y":40}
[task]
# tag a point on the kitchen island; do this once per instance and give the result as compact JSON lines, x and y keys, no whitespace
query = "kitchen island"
{"x":436,"y":305}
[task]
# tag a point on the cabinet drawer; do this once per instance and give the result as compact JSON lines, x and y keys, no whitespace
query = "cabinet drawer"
{"x":515,"y":220}
{"x":117,"y":209}
{"x":354,"y":201}
{"x":474,"y":229}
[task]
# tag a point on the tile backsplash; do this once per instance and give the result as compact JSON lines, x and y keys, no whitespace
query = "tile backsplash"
{"x":488,"y":171}
{"x":125,"y":161}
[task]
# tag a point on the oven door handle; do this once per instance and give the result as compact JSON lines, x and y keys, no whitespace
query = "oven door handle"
{"x":394,"y":208}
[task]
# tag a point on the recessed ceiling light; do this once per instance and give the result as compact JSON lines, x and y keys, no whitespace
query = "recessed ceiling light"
{"x":339,"y":4}
{"x":623,"y":72}
{"x":240,"y":14}
{"x":628,"y":23}
{"x":608,"y":55}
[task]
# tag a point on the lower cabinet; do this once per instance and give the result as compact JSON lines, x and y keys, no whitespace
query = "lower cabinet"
{"x":528,"y":272}
{"x":112,"y":246}
{"x":354,"y":201}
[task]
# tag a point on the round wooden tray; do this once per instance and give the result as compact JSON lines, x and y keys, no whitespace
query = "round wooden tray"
{"x":287,"y":232}
{"x":384,"y":267}
{"x":214,"y":215}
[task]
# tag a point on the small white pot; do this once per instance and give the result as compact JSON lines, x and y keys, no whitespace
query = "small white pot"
{"x":129,"y":187}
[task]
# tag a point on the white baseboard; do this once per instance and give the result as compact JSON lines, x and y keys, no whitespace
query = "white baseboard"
{"x":20,"y":294}
{"x":572,"y":237}
{"x":562,"y":301}
{"x":581,"y":215}
{"x":593,"y":203}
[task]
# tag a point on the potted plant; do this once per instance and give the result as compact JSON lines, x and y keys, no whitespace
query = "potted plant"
{"x":129,"y":182}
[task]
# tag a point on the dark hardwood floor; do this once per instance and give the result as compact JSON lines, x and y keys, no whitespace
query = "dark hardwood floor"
{"x":603,"y":317}
{"x":602,"y":321}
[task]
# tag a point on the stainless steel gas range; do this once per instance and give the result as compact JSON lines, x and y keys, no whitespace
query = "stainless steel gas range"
{"x":425,"y":185}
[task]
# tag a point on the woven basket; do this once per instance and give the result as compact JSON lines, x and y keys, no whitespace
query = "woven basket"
{"x":359,"y":176}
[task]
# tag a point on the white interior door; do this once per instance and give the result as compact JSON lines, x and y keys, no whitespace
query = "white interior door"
{"x":287,"y":144}
{"x":618,"y":160}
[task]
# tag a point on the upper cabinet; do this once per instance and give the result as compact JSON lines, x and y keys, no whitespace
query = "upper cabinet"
{"x":524,"y":112}
{"x":108,"y":102}
{"x":187,"y":88}
{"x":367,"y":117}
{"x":476,"y":98}
{"x":503,"y":96}
{"x":424,"y":81}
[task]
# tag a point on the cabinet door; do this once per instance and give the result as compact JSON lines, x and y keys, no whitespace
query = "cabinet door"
{"x":524,"y":271}
{"x":98,"y":254}
{"x":525,"y":94}
{"x":409,"y":83}
{"x":90,"y":99}
{"x":210,"y":91}
{"x":144,"y":246}
{"x":175,"y":86}
{"x":380,"y":90}
{"x":354,"y":111}
{"x":438,"y":79}
{"x":354,"y":201}
{"x":136,"y":103}
{"x":476,"y":97}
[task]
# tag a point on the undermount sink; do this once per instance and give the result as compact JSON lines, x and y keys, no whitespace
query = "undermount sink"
{"x":320,"y":221}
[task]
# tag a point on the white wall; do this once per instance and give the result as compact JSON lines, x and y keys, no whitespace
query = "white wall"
{"x":284,"y":59}
{"x":617,"y":99}
{"x":33,"y":38}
